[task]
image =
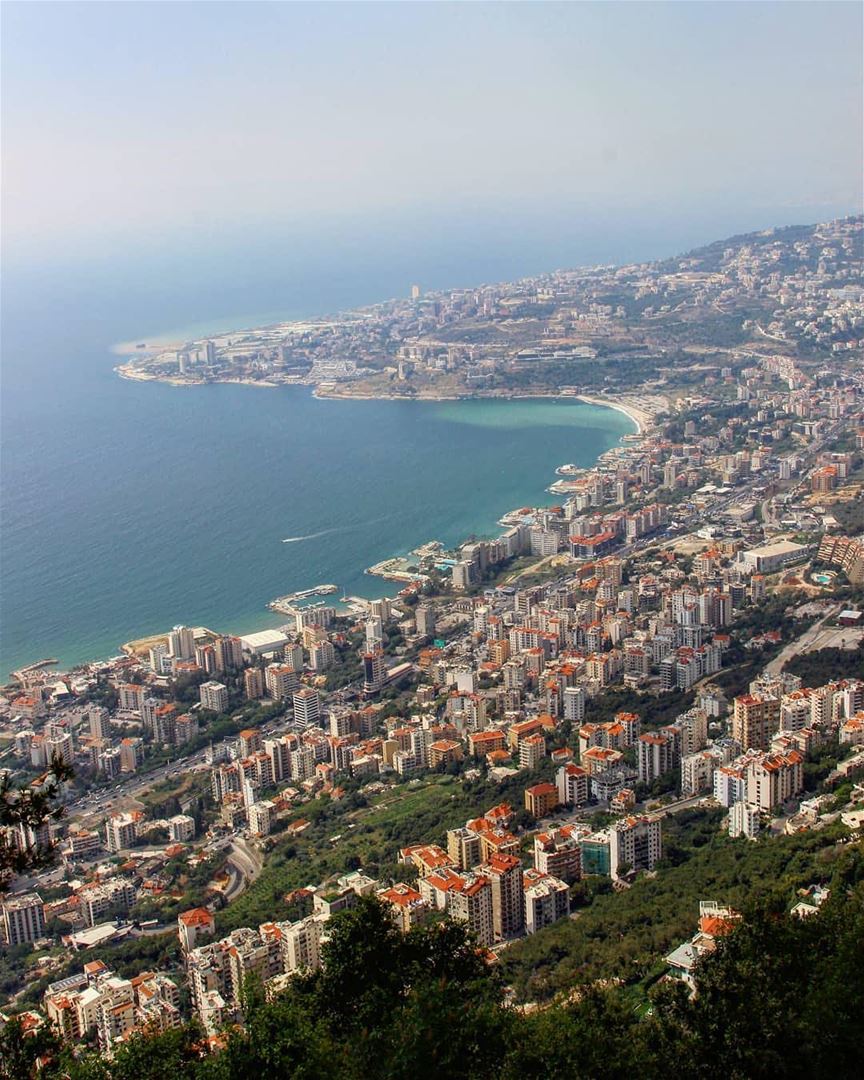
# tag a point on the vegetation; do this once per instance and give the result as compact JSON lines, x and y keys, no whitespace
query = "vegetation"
{"x":654,"y":711}
{"x":822,"y":666}
{"x":29,"y":807}
{"x":621,"y":935}
{"x":780,"y":998}
{"x":369,"y":836}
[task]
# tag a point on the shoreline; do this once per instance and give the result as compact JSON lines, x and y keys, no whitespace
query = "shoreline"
{"x":637,"y":416}
{"x":140,"y":376}
{"x":642,"y":418}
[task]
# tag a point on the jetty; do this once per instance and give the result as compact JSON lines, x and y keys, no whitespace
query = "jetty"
{"x":31,"y":669}
{"x":282,"y":602}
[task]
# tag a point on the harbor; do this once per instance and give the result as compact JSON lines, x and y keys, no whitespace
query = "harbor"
{"x":286,"y":605}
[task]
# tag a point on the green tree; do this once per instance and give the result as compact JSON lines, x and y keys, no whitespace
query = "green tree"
{"x":21,"y":1053}
{"x":30,"y":806}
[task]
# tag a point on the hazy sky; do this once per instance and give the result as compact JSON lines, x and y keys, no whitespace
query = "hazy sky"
{"x":135,"y":119}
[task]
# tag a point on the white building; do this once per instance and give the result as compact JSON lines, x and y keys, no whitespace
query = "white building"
{"x":572,"y":783}
{"x":697,"y":772}
{"x":772,"y":557}
{"x":264,"y":642}
{"x":121,"y":830}
{"x":744,"y":820}
{"x":95,"y":900}
{"x":547,"y":899}
{"x":280,"y":680}
{"x":574,"y":704}
{"x":181,"y":828}
{"x":636,"y":843}
{"x":181,"y":643}
{"x":23,"y":918}
{"x":261,"y":817}
{"x":307,"y":707}
{"x":214,"y":696}
{"x":322,"y":655}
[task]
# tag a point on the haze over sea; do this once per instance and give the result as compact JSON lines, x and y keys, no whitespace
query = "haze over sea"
{"x":129,"y":507}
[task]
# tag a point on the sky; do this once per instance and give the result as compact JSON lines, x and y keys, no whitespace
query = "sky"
{"x":132,"y":122}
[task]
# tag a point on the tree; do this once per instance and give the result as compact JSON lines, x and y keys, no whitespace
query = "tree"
{"x":176,"y":1053}
{"x":22,"y":1051}
{"x":27,"y":809}
{"x":779,"y":998}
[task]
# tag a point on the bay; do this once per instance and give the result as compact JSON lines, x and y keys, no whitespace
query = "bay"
{"x":174,"y":508}
{"x":126,"y":508}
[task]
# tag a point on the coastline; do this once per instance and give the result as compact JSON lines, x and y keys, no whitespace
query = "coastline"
{"x":642,"y":418}
{"x":269,"y":617}
{"x":141,"y":376}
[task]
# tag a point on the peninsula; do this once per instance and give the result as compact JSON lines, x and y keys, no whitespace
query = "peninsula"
{"x":633,"y":336}
{"x":587,"y":742}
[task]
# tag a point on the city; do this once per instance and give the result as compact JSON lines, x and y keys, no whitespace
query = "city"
{"x":535,"y":725}
{"x":670,"y":326}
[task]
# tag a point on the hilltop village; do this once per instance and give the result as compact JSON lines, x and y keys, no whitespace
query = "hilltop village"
{"x":621,"y":694}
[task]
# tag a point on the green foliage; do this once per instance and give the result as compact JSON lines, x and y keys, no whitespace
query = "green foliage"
{"x":30,"y":806}
{"x":822,"y":666}
{"x":175,"y":1053}
{"x":20,"y":1051}
{"x":406,"y":814}
{"x":655,"y":712}
{"x":779,"y":998}
{"x":621,"y":935}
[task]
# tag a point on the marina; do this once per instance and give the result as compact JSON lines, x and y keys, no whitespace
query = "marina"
{"x":285,"y":604}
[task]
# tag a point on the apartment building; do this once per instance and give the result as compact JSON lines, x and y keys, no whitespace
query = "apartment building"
{"x":504,"y":873}
{"x":214,"y":696}
{"x":636,"y":843}
{"x":546,"y":899}
{"x":557,"y":853}
{"x":23,"y":918}
{"x":755,"y":718}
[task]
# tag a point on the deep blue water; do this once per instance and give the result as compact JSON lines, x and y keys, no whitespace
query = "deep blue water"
{"x":129,"y":507}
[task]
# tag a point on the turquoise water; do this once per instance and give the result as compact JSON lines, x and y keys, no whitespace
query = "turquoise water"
{"x":128,"y":507}
{"x":125,"y":507}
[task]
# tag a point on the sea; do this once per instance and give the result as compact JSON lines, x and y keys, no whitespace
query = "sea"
{"x":126,"y":507}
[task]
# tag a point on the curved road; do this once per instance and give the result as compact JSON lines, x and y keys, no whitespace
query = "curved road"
{"x":244,"y":865}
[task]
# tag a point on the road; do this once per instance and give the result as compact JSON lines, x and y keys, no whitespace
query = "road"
{"x":807,"y":642}
{"x":106,"y":799}
{"x":680,"y":804}
{"x":244,"y":865}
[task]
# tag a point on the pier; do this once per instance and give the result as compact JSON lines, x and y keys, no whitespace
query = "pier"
{"x":281,"y":603}
{"x":22,"y":673}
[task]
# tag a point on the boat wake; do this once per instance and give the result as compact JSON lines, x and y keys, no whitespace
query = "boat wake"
{"x":328,"y":532}
{"x":311,"y":536}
